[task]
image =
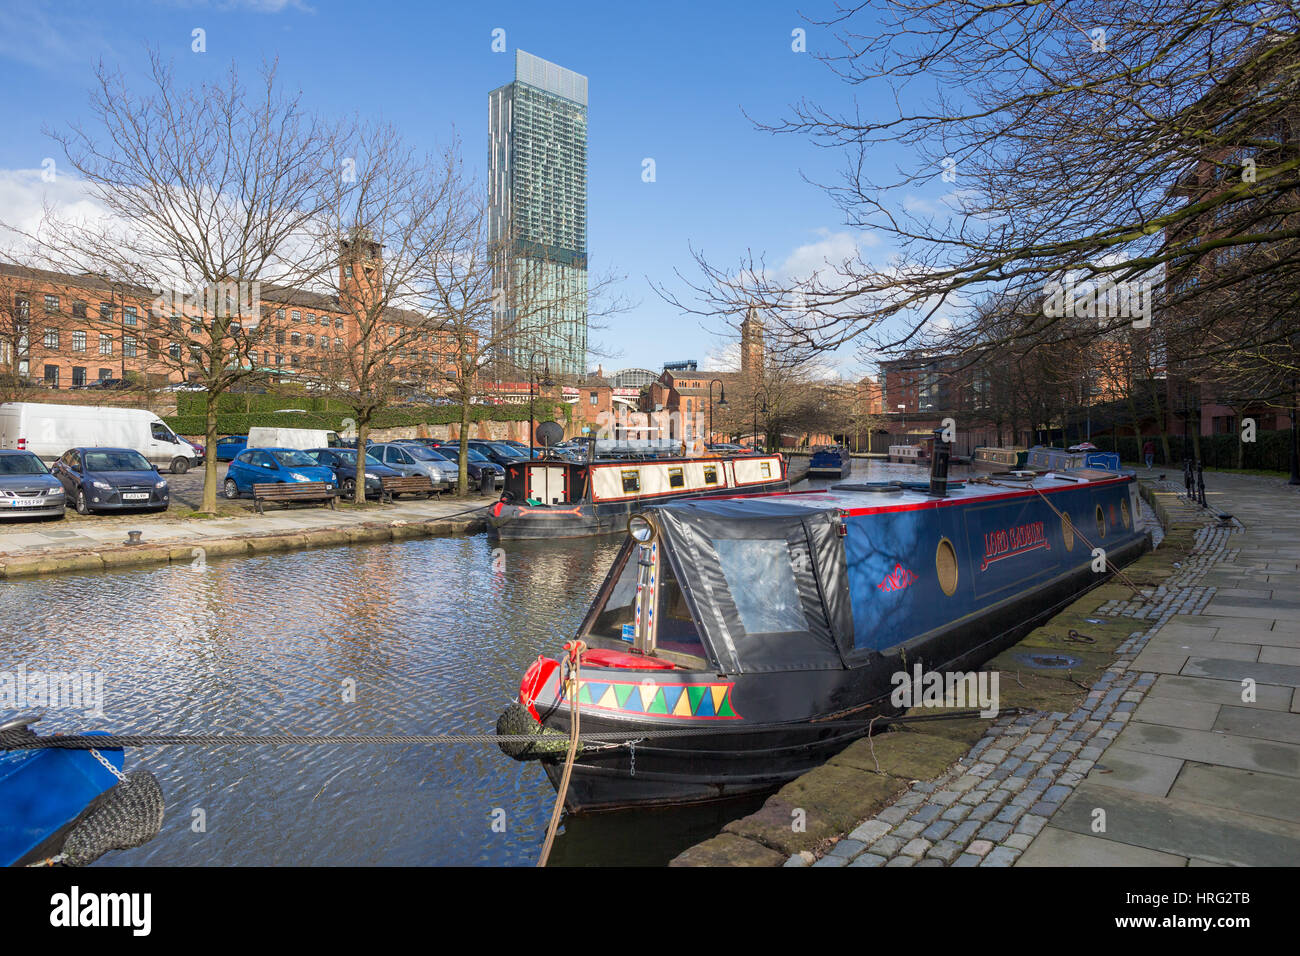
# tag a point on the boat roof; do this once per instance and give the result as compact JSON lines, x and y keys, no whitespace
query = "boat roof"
{"x":872,"y":497}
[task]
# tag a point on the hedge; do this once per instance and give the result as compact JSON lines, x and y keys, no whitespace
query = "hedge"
{"x":237,"y":423}
{"x":1271,"y":450}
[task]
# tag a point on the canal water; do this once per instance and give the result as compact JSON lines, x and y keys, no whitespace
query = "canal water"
{"x":416,"y":637}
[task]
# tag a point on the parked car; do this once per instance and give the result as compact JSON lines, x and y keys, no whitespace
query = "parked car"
{"x":412,"y":458}
{"x":524,"y":451}
{"x":228,"y":448}
{"x":27,"y":489}
{"x":343,"y":462}
{"x":111,"y":479}
{"x":475,"y":463}
{"x":273,"y":466}
{"x":50,"y":430}
{"x":498,"y":452}
{"x":108,"y":383}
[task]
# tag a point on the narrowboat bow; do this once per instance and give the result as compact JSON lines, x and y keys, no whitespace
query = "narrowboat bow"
{"x":833,"y":461}
{"x":771,"y":627}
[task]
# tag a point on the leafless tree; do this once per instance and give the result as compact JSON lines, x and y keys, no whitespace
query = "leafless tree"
{"x":208,"y":194}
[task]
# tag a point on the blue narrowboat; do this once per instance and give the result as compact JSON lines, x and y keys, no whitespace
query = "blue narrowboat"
{"x":1041,"y":458}
{"x":830,"y":461}
{"x":772,"y":628}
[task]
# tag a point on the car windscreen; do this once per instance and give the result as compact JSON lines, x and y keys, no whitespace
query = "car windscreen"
{"x":294,"y":459}
{"x":115,"y":461}
{"x":423,"y":453}
{"x":22,"y":465}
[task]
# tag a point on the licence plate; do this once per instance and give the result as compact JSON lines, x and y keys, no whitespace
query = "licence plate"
{"x":136,"y":496}
{"x":26,"y":503}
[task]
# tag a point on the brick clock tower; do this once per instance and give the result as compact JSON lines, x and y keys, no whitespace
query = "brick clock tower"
{"x":751,"y":342}
{"x":361,"y":272}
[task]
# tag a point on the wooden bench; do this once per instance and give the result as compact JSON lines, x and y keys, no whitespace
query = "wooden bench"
{"x":391,"y":487}
{"x":296,"y":491}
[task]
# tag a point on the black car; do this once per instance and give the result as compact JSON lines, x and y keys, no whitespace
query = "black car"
{"x":344,"y":463}
{"x":111,"y":479}
{"x":498,"y":452}
{"x":475,"y":464}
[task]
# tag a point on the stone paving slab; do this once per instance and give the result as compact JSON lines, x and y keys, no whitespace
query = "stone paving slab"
{"x":1244,"y":753}
{"x":1055,"y":846}
{"x":1173,"y":712}
{"x":1213,"y":691}
{"x":1253,"y":722}
{"x":1264,"y":795}
{"x":1283,"y":674}
{"x":1181,"y":827}
{"x":1133,"y":770}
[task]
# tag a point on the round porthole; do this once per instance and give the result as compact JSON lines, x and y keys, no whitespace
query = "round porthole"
{"x":1067,"y":532}
{"x":945,"y":563}
{"x":1101,"y":521}
{"x":1124,"y":514}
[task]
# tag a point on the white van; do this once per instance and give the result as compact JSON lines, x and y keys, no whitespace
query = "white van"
{"x":299,"y":438}
{"x":50,"y":430}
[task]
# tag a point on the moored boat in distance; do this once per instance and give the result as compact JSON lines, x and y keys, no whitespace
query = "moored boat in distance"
{"x":830,"y":461}
{"x":1043,"y":458}
{"x":999,"y":459}
{"x":552,"y":497}
{"x":771,"y":628}
{"x":909,"y":454}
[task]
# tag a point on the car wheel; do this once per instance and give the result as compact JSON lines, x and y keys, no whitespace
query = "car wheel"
{"x":83,"y":507}
{"x":232,"y":489}
{"x":349,"y":488}
{"x":180,"y":466}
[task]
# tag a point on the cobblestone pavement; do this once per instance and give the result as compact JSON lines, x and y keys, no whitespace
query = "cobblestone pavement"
{"x":989,"y":807}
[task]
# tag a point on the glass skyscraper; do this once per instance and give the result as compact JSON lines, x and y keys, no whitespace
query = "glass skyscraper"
{"x":537,"y":225}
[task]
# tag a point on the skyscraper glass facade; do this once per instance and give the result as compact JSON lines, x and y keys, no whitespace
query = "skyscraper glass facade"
{"x":537,"y":196}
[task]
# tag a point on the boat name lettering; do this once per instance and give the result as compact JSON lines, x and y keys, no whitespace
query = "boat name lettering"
{"x":1008,"y":542}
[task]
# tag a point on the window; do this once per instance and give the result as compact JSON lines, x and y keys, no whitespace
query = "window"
{"x":279,"y":315}
{"x":174,"y":350}
{"x":105,"y":344}
{"x":295,"y":339}
{"x":279,"y":337}
{"x":52,"y":376}
{"x":79,"y":310}
{"x":51,"y":338}
{"x":710,"y":474}
{"x":22,"y":307}
{"x":347,"y":272}
{"x":338,"y":322}
{"x":293,"y":360}
{"x":311,"y":341}
{"x":765,"y":468}
{"x":675,"y":478}
{"x":297,"y":316}
{"x":594,"y":398}
{"x":129,"y":315}
{"x":79,"y":375}
{"x":159,"y":432}
{"x":760,"y":576}
{"x":311,"y":320}
{"x":128,"y":346}
{"x":338,"y":343}
{"x":51,"y":303}
{"x":105,"y":374}
{"x":279,"y":360}
{"x":106,"y":311}
{"x":631,"y":480}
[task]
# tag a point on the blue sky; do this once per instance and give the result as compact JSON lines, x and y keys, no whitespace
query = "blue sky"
{"x":668,"y":81}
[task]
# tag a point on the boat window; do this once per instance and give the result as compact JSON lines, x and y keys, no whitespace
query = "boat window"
{"x":675,"y":478}
{"x":631,"y":480}
{"x":710,"y":474}
{"x":760,"y":575}
{"x":766,"y":469}
{"x":677,"y":632}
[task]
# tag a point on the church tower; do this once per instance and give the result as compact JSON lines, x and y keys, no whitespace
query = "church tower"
{"x":751,"y":342}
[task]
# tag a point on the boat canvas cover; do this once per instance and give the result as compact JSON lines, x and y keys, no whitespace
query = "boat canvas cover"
{"x":766,"y":578}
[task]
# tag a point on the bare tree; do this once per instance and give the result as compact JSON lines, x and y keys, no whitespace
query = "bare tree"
{"x":208,"y":194}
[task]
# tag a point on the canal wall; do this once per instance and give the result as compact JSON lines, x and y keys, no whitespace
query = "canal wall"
{"x":195,"y":541}
{"x":960,"y":792}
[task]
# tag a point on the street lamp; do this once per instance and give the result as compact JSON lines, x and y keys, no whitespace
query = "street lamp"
{"x":1295,"y":440}
{"x":545,"y":383}
{"x":722,"y":402}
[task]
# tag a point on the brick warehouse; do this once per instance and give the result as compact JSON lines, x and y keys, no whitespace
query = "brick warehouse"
{"x":60,"y":330}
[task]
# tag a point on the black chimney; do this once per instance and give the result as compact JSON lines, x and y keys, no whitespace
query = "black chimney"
{"x":939,"y":465}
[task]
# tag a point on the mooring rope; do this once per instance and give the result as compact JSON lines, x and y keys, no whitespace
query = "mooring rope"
{"x":22,"y":739}
{"x":575,"y":649}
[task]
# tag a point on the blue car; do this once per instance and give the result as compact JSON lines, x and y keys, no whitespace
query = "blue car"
{"x":273,"y":465}
{"x":228,"y":448}
{"x":110,"y":479}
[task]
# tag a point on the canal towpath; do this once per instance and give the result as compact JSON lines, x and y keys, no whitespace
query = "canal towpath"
{"x":50,"y":548}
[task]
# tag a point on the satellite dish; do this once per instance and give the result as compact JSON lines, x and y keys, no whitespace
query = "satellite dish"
{"x":549,"y":433}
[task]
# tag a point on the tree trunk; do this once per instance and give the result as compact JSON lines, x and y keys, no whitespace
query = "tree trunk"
{"x":462,"y":486}
{"x":363,"y":434}
{"x":209,"y":505}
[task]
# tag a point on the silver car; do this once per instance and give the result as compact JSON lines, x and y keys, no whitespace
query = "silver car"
{"x":416,"y":459}
{"x":27,"y":489}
